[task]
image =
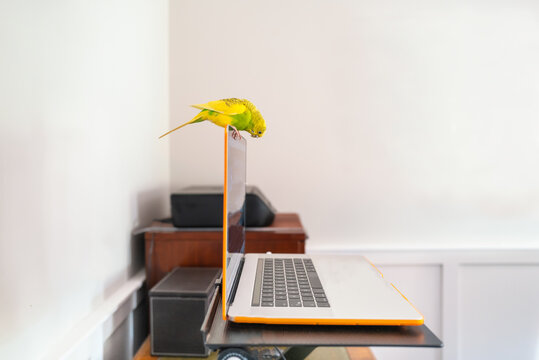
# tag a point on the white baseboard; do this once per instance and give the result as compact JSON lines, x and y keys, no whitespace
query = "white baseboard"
{"x":86,"y":339}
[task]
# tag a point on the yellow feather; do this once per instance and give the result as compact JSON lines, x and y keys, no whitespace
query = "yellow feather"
{"x":182,"y":125}
{"x":227,"y":107}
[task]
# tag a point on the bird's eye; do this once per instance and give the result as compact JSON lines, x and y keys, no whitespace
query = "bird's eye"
{"x":260,"y":132}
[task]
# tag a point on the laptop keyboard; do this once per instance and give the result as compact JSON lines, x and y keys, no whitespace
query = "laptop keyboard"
{"x":288,"y":283}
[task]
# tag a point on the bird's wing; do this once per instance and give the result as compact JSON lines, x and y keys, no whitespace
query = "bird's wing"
{"x":223,"y":107}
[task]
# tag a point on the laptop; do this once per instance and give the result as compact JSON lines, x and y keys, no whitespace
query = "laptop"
{"x":297,"y":288}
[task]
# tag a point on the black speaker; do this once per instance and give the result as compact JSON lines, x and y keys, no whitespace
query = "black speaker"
{"x":202,"y":206}
{"x":178,"y":304}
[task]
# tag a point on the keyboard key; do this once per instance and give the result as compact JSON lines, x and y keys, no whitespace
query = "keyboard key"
{"x":281,"y":303}
{"x":267,"y":303}
{"x":294,"y":303}
{"x":315,"y":281}
{"x":309,"y":304}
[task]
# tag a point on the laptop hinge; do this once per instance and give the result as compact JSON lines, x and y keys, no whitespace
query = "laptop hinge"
{"x":236,"y":280}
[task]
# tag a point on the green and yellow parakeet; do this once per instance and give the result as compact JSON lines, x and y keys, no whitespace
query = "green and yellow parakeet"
{"x":240,"y":114}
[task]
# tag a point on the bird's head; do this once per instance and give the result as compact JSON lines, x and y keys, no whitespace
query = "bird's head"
{"x":259,"y":125}
{"x":258,"y":130}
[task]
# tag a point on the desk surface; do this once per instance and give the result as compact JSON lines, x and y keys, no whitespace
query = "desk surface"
{"x":227,"y":334}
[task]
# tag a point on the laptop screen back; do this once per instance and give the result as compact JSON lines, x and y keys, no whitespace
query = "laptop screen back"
{"x":233,"y":213}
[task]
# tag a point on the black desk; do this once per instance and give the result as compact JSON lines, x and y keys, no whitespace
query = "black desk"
{"x":303,"y":339}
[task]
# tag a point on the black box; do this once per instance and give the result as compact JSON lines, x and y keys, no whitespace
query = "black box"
{"x":202,"y":206}
{"x":178,"y":304}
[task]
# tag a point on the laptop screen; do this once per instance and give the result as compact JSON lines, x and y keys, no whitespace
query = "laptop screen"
{"x":233,"y":213}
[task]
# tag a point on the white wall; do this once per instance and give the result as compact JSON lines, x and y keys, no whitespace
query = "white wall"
{"x":84,"y":95}
{"x":400,"y":124}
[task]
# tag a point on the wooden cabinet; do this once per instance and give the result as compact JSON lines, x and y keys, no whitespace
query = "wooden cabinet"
{"x":168,"y":247}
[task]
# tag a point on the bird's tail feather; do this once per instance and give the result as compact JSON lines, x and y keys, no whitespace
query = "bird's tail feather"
{"x":197,"y":118}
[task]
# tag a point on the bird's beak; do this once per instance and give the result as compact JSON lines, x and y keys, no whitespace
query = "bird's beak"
{"x":254,"y":135}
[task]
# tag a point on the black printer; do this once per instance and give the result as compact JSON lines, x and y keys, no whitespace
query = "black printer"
{"x":202,"y":206}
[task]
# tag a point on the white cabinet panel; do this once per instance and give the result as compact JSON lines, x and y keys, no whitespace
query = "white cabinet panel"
{"x":421,"y":284}
{"x":499,"y":312}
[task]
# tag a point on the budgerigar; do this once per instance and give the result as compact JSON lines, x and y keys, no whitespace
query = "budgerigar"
{"x":240,"y":114}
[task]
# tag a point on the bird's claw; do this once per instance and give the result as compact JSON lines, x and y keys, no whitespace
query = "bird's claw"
{"x":235,"y":133}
